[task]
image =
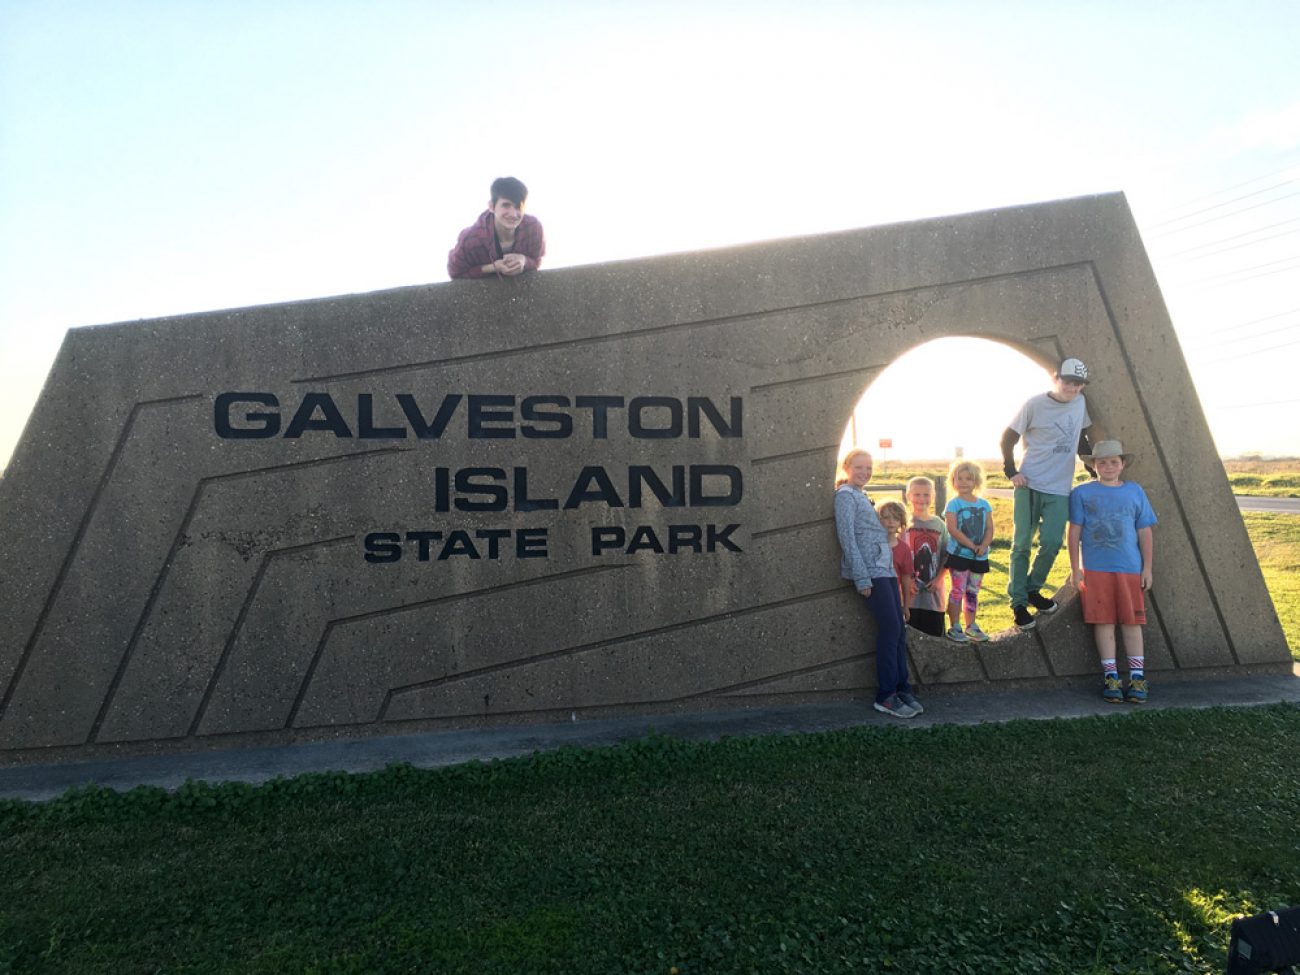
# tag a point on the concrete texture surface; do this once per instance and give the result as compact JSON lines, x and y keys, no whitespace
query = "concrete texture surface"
{"x":185,"y":525}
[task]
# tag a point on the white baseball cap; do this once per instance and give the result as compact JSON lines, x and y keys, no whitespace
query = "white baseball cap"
{"x":1073,"y":369}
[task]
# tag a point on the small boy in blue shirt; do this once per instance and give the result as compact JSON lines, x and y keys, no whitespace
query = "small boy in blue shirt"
{"x":1110,"y":527}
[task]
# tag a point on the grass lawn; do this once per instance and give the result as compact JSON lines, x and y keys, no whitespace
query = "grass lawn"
{"x":1119,"y":844}
{"x":1266,"y":478}
{"x":1276,"y":538}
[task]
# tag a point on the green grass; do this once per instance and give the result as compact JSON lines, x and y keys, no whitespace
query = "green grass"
{"x":1119,"y":844}
{"x":1281,"y":485}
{"x":1276,"y":538}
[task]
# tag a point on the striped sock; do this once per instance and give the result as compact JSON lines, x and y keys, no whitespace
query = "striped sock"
{"x":1109,"y":669}
{"x":1136,"y":666}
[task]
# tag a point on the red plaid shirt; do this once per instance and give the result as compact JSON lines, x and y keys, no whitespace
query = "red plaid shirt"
{"x":477,"y":246}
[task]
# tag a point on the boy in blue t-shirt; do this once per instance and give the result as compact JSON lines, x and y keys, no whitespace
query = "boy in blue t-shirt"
{"x":1111,"y":519}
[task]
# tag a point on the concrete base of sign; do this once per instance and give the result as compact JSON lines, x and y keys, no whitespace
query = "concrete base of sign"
{"x":590,"y":491}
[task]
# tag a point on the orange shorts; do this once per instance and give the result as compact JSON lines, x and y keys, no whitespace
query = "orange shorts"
{"x":1113,"y":597}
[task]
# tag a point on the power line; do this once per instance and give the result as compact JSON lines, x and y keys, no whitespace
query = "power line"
{"x":1252,"y":267}
{"x":1224,"y":240}
{"x":1252,"y":406}
{"x":1235,"y":199}
{"x":1224,"y":216}
{"x":1229,"y":189}
{"x":1247,"y":355}
{"x":1257,"y":335}
{"x":1233,"y":277}
{"x":1253,"y":321}
{"x":1248,"y":243}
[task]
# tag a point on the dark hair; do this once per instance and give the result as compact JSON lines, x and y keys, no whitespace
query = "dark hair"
{"x":509,"y":188}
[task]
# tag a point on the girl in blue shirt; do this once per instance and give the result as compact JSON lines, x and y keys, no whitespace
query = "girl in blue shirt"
{"x":970,"y":533}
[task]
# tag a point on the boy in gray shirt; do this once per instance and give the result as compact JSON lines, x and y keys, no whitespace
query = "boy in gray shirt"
{"x":1053,"y":426}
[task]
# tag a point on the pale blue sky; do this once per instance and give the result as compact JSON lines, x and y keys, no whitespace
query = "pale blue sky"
{"x":180,"y":155}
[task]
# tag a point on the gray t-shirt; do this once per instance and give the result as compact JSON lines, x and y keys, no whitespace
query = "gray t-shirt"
{"x":1049,"y":432}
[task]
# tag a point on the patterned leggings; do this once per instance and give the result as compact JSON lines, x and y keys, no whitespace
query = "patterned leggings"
{"x":965,"y":589}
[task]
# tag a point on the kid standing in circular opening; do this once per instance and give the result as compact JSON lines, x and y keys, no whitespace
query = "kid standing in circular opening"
{"x":970,"y":533}
{"x":927,"y":539}
{"x":893,"y":517}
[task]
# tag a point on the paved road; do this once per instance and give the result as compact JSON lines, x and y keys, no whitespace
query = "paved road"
{"x":1244,"y":502}
{"x":1288,"y":505}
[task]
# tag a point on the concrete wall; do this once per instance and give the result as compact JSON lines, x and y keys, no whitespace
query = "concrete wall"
{"x":163,"y":585}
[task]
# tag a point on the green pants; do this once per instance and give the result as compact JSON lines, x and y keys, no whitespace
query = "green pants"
{"x":1047,"y":515}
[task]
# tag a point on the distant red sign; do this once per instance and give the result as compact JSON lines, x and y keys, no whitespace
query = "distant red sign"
{"x":886,"y":443}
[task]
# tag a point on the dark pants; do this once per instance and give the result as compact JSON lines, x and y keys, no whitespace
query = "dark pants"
{"x":886,"y":606}
{"x":931,"y":621}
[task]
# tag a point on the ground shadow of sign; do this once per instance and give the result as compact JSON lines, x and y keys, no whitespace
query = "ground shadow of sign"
{"x":594,"y":490}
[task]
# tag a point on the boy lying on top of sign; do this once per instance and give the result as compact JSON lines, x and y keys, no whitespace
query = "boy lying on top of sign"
{"x":503,"y":241}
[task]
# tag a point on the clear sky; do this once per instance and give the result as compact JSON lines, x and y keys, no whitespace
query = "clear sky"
{"x":175,"y":156}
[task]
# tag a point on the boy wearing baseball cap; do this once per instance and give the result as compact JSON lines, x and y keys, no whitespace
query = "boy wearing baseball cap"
{"x":1053,"y":426}
{"x":1110,"y":562}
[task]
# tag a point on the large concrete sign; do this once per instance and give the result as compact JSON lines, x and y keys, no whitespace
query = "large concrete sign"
{"x":593,"y":490}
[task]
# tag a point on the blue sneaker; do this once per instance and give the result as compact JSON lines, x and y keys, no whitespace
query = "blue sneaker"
{"x":1113,"y":691}
{"x":911,"y":702}
{"x":1137,"y":691}
{"x":894,"y":705}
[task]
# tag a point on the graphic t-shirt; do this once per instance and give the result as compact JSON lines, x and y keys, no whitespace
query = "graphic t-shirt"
{"x":926,"y":540}
{"x":1049,"y":431}
{"x":902,"y":566}
{"x":973,"y":518}
{"x":902,"y":561}
{"x":1110,"y":518}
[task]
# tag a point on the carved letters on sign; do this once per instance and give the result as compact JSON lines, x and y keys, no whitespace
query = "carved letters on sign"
{"x":257,"y":416}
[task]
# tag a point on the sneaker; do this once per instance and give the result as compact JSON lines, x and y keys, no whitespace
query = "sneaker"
{"x":911,"y":701}
{"x":973,"y":632}
{"x":1113,"y":691}
{"x":1137,"y":691}
{"x":1044,"y":605}
{"x":1024,"y":621}
{"x":956,"y":635}
{"x":894,"y":705}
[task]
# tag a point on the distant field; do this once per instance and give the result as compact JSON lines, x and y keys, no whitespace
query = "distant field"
{"x":1280,"y":485}
{"x":1257,"y":478}
{"x":1253,"y":465}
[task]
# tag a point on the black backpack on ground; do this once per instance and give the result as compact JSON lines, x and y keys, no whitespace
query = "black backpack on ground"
{"x":1268,"y":942}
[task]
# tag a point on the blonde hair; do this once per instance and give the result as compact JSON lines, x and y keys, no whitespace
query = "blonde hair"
{"x":842,"y":477}
{"x":970,"y":467}
{"x":920,"y":479}
{"x":895,"y":509}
